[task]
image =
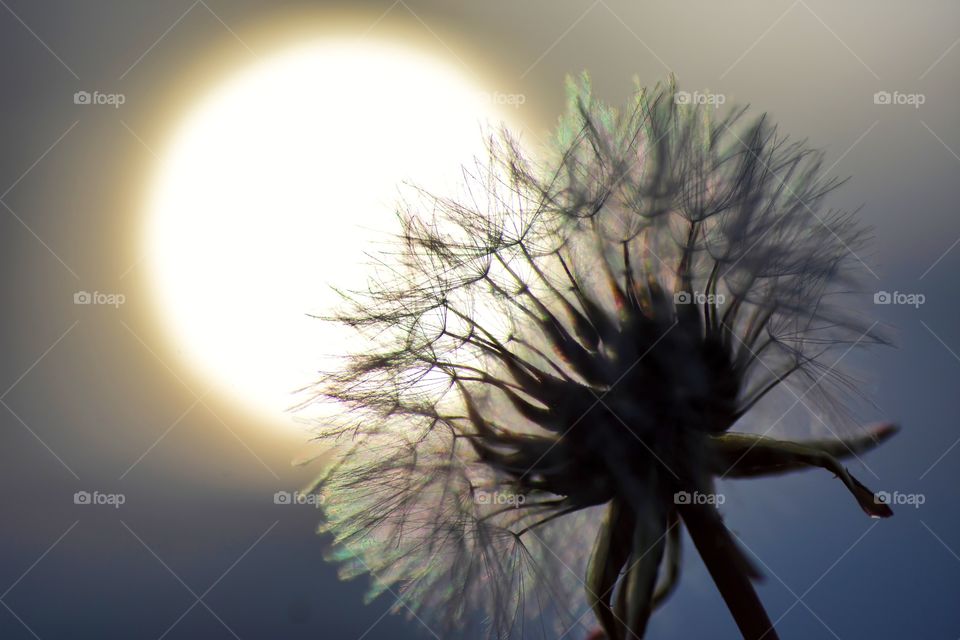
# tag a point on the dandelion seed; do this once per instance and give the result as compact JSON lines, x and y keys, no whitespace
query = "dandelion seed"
{"x":557,"y":360}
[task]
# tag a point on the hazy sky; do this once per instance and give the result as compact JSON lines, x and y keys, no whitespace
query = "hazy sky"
{"x":98,"y":399}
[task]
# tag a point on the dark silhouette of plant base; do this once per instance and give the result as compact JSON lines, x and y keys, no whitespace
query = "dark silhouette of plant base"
{"x":557,"y":358}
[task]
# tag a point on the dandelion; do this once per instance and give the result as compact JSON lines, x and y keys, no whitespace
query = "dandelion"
{"x":556,"y":360}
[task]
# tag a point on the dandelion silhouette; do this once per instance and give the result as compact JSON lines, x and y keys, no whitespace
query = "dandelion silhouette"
{"x":556,"y":359}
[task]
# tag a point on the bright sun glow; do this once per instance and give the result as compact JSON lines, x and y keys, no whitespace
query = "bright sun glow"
{"x":275,"y":186}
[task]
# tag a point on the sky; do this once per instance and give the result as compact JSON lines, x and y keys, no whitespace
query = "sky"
{"x":95,"y":398}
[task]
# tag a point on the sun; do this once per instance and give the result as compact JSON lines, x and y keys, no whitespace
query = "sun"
{"x":277,"y":185}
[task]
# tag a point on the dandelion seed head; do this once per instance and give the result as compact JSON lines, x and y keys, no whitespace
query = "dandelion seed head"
{"x":568,"y":334}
